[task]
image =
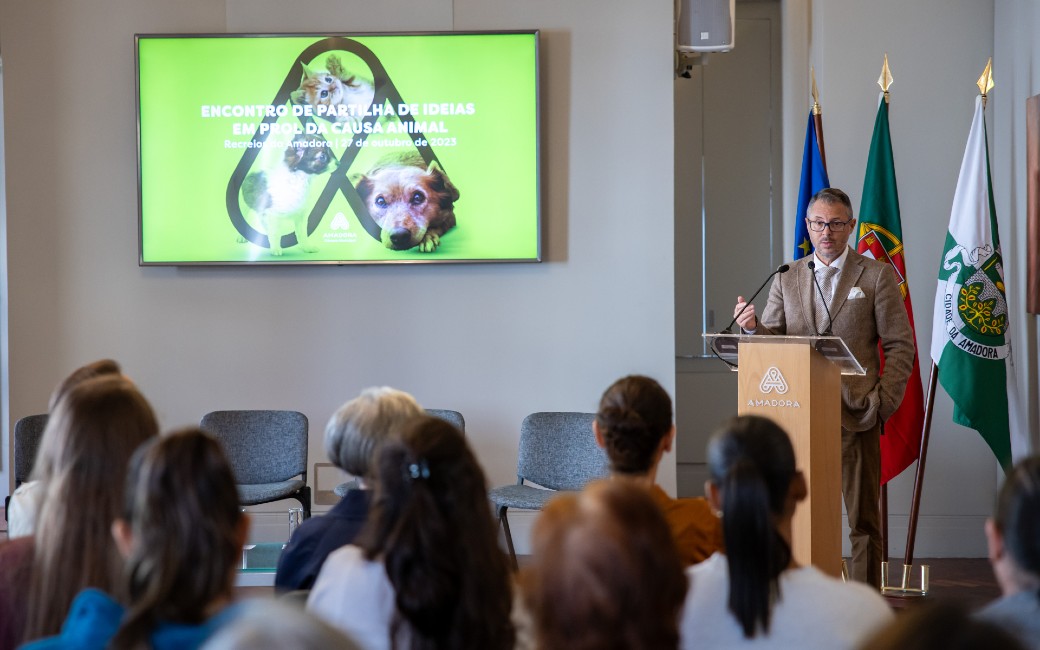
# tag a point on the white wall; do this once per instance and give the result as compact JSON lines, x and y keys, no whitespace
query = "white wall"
{"x":1016,"y":59}
{"x":492,"y":341}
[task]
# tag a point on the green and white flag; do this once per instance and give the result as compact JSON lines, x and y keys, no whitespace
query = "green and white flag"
{"x":971,"y":342}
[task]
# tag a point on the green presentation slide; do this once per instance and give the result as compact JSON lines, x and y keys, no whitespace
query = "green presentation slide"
{"x":338,"y":149}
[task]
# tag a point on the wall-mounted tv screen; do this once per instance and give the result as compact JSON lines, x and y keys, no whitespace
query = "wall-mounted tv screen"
{"x":338,"y":149}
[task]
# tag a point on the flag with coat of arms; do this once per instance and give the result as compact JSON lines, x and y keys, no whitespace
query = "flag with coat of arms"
{"x":971,"y":340}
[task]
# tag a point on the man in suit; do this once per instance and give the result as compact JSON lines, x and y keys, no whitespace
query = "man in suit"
{"x":866,"y":307}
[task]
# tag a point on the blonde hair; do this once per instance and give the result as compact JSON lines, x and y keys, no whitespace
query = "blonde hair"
{"x":86,"y":447}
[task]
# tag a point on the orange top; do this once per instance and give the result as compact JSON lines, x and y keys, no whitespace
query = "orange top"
{"x":695,"y":528}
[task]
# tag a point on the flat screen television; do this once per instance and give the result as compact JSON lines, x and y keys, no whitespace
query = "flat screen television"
{"x":338,"y":148}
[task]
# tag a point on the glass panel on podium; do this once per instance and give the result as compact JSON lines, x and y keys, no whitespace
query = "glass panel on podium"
{"x":726,"y":346}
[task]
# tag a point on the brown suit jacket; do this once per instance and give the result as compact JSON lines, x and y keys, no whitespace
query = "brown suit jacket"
{"x":861,"y":322}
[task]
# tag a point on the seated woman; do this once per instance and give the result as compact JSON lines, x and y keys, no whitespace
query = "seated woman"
{"x":1013,"y":536}
{"x":756,"y":595}
{"x":426,"y":571}
{"x":25,"y":501}
{"x":605,"y":573}
{"x":90,"y":436}
{"x":634,"y":426}
{"x":181,"y":534}
{"x":352,"y":437}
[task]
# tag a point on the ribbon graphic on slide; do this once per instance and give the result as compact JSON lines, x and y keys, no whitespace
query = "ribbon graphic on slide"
{"x":385,"y":91}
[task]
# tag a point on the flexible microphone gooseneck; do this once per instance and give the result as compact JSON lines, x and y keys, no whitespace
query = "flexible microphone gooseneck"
{"x":783,"y":268}
{"x":823,"y":299}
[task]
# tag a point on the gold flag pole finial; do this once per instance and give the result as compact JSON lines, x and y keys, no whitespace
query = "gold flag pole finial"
{"x":885,"y":80}
{"x":985,"y":82}
{"x":816,"y":110}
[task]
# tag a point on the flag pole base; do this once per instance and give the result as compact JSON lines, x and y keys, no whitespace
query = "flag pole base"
{"x":905,"y":590}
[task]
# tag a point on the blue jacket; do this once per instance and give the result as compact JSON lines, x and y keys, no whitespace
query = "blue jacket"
{"x":94,"y":618}
{"x":312,"y":542}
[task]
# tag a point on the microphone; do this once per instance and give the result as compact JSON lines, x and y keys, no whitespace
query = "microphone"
{"x":783,"y":268}
{"x":823,"y":299}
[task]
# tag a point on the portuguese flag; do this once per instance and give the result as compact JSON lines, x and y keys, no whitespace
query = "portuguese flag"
{"x":881,"y":237}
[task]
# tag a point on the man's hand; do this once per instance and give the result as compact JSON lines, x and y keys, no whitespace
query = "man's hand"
{"x":747,"y":320}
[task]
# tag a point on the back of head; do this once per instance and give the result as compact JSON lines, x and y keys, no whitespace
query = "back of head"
{"x":431,"y":526}
{"x":605,"y":572}
{"x":751,"y":462}
{"x":941,"y":626}
{"x":182,"y":508}
{"x":1017,"y":516}
{"x":276,"y":625}
{"x":98,"y":368}
{"x":634,"y":414}
{"x":86,"y":446}
{"x":355,"y":431}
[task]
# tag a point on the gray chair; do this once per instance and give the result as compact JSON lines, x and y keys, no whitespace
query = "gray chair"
{"x":558,"y":451}
{"x":452,"y":417}
{"x":267,"y":450}
{"x":28,"y":432}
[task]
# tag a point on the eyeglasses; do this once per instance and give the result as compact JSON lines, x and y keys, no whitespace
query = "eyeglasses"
{"x":835,"y":226}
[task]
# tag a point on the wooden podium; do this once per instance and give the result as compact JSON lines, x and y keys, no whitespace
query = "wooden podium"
{"x":796,"y":381}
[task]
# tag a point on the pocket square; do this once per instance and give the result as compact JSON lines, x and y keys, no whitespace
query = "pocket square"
{"x":855,"y":293}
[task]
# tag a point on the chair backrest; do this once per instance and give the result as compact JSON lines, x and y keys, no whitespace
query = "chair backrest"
{"x":28,"y":432}
{"x":559,"y":451}
{"x":453,"y":417}
{"x":262,"y":446}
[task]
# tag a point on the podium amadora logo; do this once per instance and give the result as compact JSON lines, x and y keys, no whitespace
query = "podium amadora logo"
{"x":773,"y":382}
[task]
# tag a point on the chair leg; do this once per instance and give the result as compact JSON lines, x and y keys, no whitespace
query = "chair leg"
{"x":304,"y":497}
{"x":504,"y":520}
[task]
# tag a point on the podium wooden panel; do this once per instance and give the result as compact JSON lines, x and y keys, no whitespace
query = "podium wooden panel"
{"x":798,"y":388}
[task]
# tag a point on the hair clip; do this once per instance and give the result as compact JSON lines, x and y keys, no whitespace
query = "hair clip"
{"x":419,"y":470}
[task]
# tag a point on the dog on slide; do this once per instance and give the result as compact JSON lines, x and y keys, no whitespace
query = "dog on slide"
{"x":413,"y":203}
{"x":277,"y":194}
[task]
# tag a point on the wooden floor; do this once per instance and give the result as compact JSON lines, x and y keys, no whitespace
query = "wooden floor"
{"x":969,"y":581}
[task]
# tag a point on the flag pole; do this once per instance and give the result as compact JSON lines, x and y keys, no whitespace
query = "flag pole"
{"x":817,"y":114}
{"x":885,"y":81}
{"x":904,"y":588}
{"x":915,"y":504}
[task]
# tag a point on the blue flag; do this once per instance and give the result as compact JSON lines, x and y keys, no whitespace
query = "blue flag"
{"x":814,"y":179}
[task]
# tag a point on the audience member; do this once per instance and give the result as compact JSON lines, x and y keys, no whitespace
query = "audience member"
{"x":940,"y":626}
{"x":1013,"y":536}
{"x":25,"y":501}
{"x":756,"y":595}
{"x":180,"y":533}
{"x":277,"y":625}
{"x":634,"y":426}
{"x":605,"y":573}
{"x":427,"y":571}
{"x":86,"y":446}
{"x":352,"y":436}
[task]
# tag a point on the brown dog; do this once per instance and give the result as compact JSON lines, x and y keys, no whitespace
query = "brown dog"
{"x":413,"y":204}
